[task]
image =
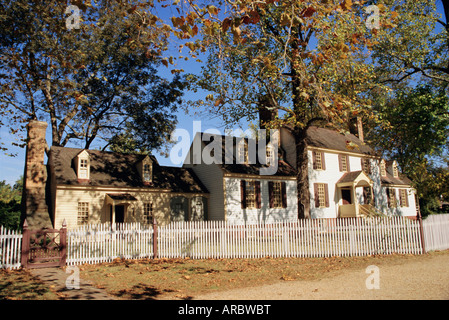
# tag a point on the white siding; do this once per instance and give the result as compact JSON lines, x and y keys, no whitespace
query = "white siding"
{"x":330,"y":176}
{"x":236,"y":215}
{"x":99,"y":211}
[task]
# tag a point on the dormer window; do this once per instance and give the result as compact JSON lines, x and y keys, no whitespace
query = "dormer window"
{"x":383,"y":169}
{"x":147,"y":172}
{"x":82,"y":165}
{"x":145,"y":168}
{"x":270,"y":155}
{"x":395,"y":170}
{"x":242,"y":152}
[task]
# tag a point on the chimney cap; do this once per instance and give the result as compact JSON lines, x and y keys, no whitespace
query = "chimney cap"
{"x":37,"y":123}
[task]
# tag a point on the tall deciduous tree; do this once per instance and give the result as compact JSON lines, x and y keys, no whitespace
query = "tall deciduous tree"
{"x":91,"y":73}
{"x":305,"y":59}
{"x":418,"y":45}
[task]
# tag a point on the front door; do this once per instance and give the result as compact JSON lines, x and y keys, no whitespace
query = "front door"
{"x":346,"y":196}
{"x":119,"y":214}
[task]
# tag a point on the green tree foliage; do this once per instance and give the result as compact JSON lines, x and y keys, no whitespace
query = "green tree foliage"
{"x":94,"y":82}
{"x":10,"y":197}
{"x":416,"y":126}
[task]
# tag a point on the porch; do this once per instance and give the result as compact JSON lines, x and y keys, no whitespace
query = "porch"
{"x":351,"y":188}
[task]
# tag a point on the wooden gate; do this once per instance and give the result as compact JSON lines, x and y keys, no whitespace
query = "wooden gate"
{"x":44,"y":248}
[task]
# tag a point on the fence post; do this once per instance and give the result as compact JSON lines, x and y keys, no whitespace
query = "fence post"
{"x":421,"y":231}
{"x":25,"y":245}
{"x":63,"y":243}
{"x":154,"y":238}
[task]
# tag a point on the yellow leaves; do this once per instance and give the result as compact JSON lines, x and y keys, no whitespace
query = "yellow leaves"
{"x":213,"y":10}
{"x":346,"y":5}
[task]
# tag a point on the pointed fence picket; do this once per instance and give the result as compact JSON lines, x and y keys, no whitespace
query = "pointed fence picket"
{"x":10,"y":248}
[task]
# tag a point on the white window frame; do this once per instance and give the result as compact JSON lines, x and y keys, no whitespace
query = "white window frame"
{"x":83,"y":213}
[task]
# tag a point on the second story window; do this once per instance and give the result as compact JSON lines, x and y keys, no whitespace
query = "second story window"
{"x":366,"y":165}
{"x":270,"y":155}
{"x":344,"y":163}
{"x":318,"y":160}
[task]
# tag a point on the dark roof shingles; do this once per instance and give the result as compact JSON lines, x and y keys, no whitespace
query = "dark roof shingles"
{"x":120,"y":170}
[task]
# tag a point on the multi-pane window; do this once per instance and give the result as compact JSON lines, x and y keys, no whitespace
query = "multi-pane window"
{"x":243,"y":152}
{"x":147,"y":172}
{"x":391,"y":198}
{"x":383,"y":170}
{"x":403,"y":197}
{"x":366,"y":165}
{"x":250,"y":194}
{"x":270,"y":155}
{"x":83,"y":213}
{"x":147,"y":212}
{"x":344,"y":163}
{"x":277,"y":194}
{"x":321,"y":195}
{"x":395,"y":170}
{"x":83,"y":169}
{"x":318,"y":160}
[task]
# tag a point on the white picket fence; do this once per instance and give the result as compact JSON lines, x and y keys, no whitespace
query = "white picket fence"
{"x":301,"y":238}
{"x":93,"y":244}
{"x":436,"y":232}
{"x":218,"y":239}
{"x":10,"y":248}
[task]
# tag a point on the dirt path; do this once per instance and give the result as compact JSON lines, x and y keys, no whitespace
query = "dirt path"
{"x":426,"y":280}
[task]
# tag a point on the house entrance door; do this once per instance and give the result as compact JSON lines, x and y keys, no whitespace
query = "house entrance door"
{"x":346,"y":196}
{"x":119,"y":214}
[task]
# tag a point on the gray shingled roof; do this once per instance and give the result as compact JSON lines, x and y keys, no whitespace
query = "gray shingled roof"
{"x":284,"y":169}
{"x":120,"y":170}
{"x":331,"y":139}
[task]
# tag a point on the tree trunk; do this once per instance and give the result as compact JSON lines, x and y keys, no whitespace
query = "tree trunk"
{"x":302,"y":173}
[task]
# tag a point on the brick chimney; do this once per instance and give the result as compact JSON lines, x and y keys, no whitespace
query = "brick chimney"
{"x":356,"y":127}
{"x":34,"y":205}
{"x":267,"y":112}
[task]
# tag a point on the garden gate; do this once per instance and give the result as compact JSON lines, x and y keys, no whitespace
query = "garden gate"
{"x":44,"y":248}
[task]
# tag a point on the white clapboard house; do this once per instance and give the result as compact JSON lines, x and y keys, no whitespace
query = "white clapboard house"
{"x":346,"y":179}
{"x":345,"y":176}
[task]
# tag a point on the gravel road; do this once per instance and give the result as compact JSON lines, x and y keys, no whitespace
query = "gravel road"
{"x":423,"y":280}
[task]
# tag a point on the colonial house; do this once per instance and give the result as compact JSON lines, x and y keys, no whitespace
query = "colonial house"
{"x":346,"y":178}
{"x":239,"y":193}
{"x":90,"y":186}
